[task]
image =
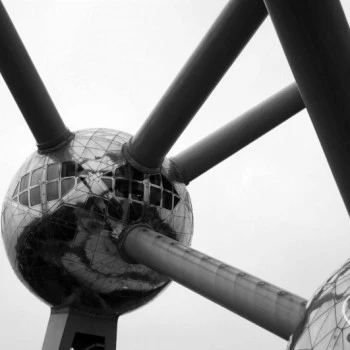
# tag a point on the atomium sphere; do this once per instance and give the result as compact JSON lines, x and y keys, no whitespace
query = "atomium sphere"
{"x":64,"y":215}
{"x":326,"y":325}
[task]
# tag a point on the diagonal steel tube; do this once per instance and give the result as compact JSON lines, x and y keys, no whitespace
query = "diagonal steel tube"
{"x":215,"y":54}
{"x":237,"y":134}
{"x":264,"y":304}
{"x":315,"y":37}
{"x":28,"y":89}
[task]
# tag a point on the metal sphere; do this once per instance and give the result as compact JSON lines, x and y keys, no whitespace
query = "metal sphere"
{"x":327,"y":321}
{"x":64,"y":215}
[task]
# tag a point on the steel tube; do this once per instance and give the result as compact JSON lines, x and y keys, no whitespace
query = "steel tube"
{"x":316,"y":40}
{"x":239,"y":133}
{"x":217,"y":51}
{"x":264,"y":304}
{"x":28,"y":89}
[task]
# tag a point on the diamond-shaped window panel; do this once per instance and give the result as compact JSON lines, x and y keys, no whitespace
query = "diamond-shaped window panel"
{"x":35,"y":196}
{"x":52,"y":191}
{"x":53,"y":171}
{"x":166,"y":184}
{"x":155,"y":196}
{"x":167,"y":200}
{"x":67,"y":185}
{"x":155,"y":179}
{"x":23,"y":198}
{"x":24,"y":182}
{"x":136,"y":175}
{"x":137,"y":190}
{"x":122,"y":188}
{"x":68,"y":169}
{"x":36,"y":177}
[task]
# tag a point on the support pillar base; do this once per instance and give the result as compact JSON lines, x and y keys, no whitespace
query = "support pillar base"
{"x":71,"y":329}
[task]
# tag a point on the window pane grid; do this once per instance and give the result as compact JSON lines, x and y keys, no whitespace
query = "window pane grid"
{"x":36,"y":176}
{"x":35,"y":196}
{"x":53,"y":171}
{"x":125,"y":182}
{"x":24,"y":182}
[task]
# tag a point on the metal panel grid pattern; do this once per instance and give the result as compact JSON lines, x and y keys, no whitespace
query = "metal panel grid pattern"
{"x":64,"y":214}
{"x":326,"y":325}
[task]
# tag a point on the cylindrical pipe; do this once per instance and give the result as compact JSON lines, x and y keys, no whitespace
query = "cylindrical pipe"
{"x":239,"y":133}
{"x":217,"y":51}
{"x":316,"y":40}
{"x":264,"y":304}
{"x":28,"y":89}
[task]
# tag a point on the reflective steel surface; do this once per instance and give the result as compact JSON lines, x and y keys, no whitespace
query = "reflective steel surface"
{"x":64,"y":213}
{"x":240,"y":132}
{"x":27,"y":88}
{"x":219,"y":48}
{"x":260,"y":302}
{"x":327,"y":321}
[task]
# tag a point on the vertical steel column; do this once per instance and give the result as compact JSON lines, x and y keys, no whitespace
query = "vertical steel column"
{"x":259,"y":302}
{"x":316,"y":39}
{"x":215,"y":54}
{"x":28,"y":89}
{"x":237,"y":134}
{"x":69,"y":328}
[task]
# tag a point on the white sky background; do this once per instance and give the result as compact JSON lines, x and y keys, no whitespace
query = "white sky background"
{"x":272,"y":210}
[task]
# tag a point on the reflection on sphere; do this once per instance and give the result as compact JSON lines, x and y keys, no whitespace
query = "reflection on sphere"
{"x":327,"y":322}
{"x":64,"y":215}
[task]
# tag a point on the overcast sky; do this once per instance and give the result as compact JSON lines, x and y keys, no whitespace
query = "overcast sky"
{"x":272,"y":210}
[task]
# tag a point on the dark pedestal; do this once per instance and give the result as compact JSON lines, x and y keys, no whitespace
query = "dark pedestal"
{"x":71,"y":329}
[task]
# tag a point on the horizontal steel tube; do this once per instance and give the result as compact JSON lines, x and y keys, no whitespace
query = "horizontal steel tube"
{"x":259,"y":302}
{"x":215,"y":54}
{"x":315,"y":37}
{"x":237,"y":134}
{"x":28,"y":89}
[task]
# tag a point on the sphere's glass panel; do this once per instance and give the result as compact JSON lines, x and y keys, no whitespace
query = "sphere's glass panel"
{"x":24,"y":182}
{"x":327,"y":322}
{"x":122,"y":188}
{"x":137,"y":190}
{"x":67,"y":185}
{"x":155,"y":196}
{"x":52,"y":191}
{"x":64,"y":215}
{"x":137,"y":175}
{"x":68,"y":169}
{"x":167,"y":200}
{"x":36,"y":177}
{"x":23,"y":198}
{"x":155,"y":179}
{"x":35,"y":196}
{"x":166,"y":183}
{"x":53,"y":171}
